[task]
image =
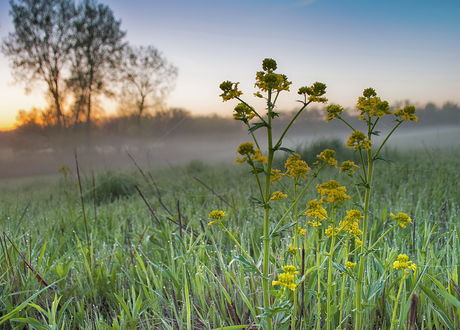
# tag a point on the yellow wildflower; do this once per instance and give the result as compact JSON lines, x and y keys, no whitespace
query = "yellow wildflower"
{"x":269,"y":65}
{"x":350,"y":223}
{"x":230,"y":90}
{"x":287,"y":279}
{"x":334,"y":111}
{"x":275,"y":176}
{"x":348,"y":167}
{"x":314,"y":223}
{"x":332,"y":231}
{"x":246,"y":148}
{"x":315,"y":210}
{"x":243,"y":112}
{"x":403,"y":263}
{"x":258,"y":157}
{"x":64,"y":170}
{"x":350,"y":264}
{"x":358,"y":241}
{"x":358,"y":140}
{"x":332,"y":192}
{"x":402,"y":218}
{"x":216,"y":215}
{"x":272,"y":81}
{"x":406,"y":113}
{"x":327,"y":156}
{"x":372,"y":105}
{"x":295,"y":167}
{"x":278,"y":195}
{"x":292,"y":249}
{"x":290,"y":269}
{"x":301,"y":231}
{"x":314,"y":92}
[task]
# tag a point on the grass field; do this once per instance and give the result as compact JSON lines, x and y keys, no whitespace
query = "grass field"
{"x":127,"y":265}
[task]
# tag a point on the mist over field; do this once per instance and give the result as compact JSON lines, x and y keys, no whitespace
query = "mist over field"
{"x":209,"y":140}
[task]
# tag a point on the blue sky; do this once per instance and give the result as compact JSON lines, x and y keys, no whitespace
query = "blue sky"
{"x":404,"y":49}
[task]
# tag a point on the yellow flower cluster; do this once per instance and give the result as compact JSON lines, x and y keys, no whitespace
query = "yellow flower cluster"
{"x":292,"y":249}
{"x":296,"y":167}
{"x":402,"y":218}
{"x":258,"y":157}
{"x":334,"y":111}
{"x":406,"y":113}
{"x":243,"y":112}
{"x":276,"y":175}
{"x":315,"y":92}
{"x":331,"y":192}
{"x":327,"y":156}
{"x":230,"y":90}
{"x":372,"y":105}
{"x":348,"y":167}
{"x":272,"y":81}
{"x":276,"y":195}
{"x":350,"y":264}
{"x":247,"y":150}
{"x":331,"y":231}
{"x":403,"y":263}
{"x":358,"y":140}
{"x":301,"y":231}
{"x":65,"y":170}
{"x":216,"y":215}
{"x":316,"y":212}
{"x":287,"y":279}
{"x":350,"y":224}
{"x":269,"y":65}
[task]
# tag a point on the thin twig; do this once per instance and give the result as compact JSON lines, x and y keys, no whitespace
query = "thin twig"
{"x":152,"y":211}
{"x":37,"y":275}
{"x":80,"y":189}
{"x":149,"y":179}
{"x":179,"y":218}
{"x":214,"y":193}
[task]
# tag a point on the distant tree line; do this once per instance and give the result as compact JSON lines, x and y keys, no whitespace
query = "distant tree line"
{"x":79,"y":52}
{"x":176,"y":122}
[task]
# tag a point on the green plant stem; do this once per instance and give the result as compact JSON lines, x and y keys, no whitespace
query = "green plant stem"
{"x":395,"y":307}
{"x":375,"y":124}
{"x":294,"y":311}
{"x":280,"y":140}
{"x":266,"y":224}
{"x":253,"y":136}
{"x":318,"y":289}
{"x":382,"y":236}
{"x":296,"y":216}
{"x":257,"y":114}
{"x":259,"y":184}
{"x":386,"y":139}
{"x":342,"y":287}
{"x":346,"y":123}
{"x":296,"y":242}
{"x":329,"y":277}
{"x":362,"y":259}
{"x":236,"y":242}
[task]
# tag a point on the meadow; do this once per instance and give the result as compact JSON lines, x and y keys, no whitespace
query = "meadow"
{"x":146,"y":258}
{"x":334,"y":235}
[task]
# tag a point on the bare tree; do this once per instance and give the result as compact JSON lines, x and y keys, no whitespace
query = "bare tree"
{"x":146,"y":77}
{"x":38,"y":48}
{"x":96,"y":53}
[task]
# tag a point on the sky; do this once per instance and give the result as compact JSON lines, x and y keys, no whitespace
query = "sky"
{"x":406,"y":50}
